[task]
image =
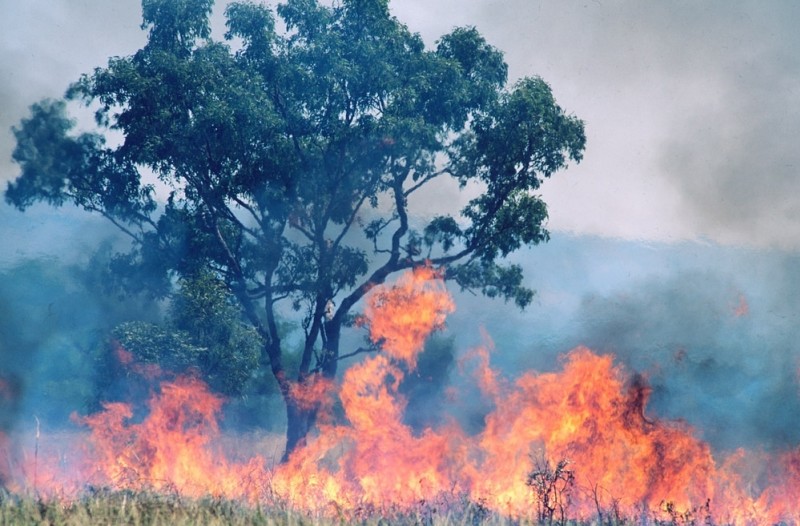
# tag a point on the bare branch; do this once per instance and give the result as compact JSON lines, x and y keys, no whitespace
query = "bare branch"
{"x":350,"y":220}
{"x":307,"y":233}
{"x":360,"y":350}
{"x":114,"y":221}
{"x":428,"y":178}
{"x":249,"y":208}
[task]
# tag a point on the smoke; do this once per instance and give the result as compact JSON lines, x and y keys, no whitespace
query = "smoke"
{"x":702,"y":113}
{"x":732,"y":154}
{"x":714,"y":330}
{"x":55,"y":313}
{"x":691,"y":110}
{"x":733,"y":376}
{"x":46,"y":45}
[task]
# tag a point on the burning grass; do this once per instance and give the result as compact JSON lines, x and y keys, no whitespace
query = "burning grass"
{"x":156,"y":509}
{"x":140,"y":509}
{"x":577,"y":443}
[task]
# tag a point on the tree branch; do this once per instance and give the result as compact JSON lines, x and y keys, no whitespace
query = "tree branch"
{"x":393,"y":263}
{"x":425,"y":180}
{"x":360,"y":350}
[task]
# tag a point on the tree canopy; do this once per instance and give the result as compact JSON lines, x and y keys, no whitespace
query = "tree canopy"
{"x":293,"y":156}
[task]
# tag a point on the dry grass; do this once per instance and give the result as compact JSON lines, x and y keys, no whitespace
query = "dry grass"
{"x":151,"y":509}
{"x":160,"y":510}
{"x":139,"y":509}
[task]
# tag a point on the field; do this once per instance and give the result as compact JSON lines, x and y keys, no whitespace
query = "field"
{"x":170,"y":510}
{"x":160,"y":509}
{"x":136,"y":509}
{"x":576,"y":443}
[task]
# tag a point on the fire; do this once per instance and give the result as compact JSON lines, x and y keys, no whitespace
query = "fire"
{"x":172,"y":449}
{"x":588,"y":414}
{"x":375,"y":459}
{"x":579,"y":441}
{"x":401,"y":318}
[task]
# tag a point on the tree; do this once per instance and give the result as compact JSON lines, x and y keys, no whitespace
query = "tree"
{"x":204,"y":332}
{"x":293,"y":158}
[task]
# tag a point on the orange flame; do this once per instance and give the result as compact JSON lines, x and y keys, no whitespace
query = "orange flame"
{"x":171,"y":449}
{"x":591,"y":416}
{"x":402,"y":317}
{"x":311,"y":393}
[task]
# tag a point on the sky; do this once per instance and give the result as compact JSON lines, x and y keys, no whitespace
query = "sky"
{"x":676,"y":242}
{"x":691,"y":108}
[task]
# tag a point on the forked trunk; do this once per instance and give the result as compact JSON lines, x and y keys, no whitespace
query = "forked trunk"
{"x":298,"y":424}
{"x":300,"y":420}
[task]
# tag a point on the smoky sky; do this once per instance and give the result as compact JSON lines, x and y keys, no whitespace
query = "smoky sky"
{"x":731,"y":154}
{"x":691,"y":108}
{"x":46,"y":45}
{"x":713,"y":329}
{"x":728,"y":370}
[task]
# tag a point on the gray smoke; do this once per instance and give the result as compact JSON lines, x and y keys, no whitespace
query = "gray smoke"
{"x":714,"y":330}
{"x":45,"y":45}
{"x":731,"y":374}
{"x":55,"y":313}
{"x":691,"y":109}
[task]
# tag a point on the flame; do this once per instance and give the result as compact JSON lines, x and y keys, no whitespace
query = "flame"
{"x":402,"y":317}
{"x":174,"y":449}
{"x":375,"y":459}
{"x":171,"y":449}
{"x":487,"y":378}
{"x":312,"y":392}
{"x":580,"y":438}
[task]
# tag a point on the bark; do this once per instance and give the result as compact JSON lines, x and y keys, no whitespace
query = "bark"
{"x":330,"y":363}
{"x":301,"y":420}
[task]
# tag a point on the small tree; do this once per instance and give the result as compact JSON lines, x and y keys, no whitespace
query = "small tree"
{"x":293,"y":161}
{"x":551,"y":486}
{"x":204,"y":331}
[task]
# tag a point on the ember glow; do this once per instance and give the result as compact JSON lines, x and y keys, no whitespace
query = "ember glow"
{"x":585,"y":428}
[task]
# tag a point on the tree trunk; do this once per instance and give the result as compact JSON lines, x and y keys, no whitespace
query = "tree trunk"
{"x":301,"y":420}
{"x":333,"y":331}
{"x":298,"y":424}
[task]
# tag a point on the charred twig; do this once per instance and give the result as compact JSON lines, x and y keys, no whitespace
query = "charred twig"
{"x":360,"y":350}
{"x":551,"y":486}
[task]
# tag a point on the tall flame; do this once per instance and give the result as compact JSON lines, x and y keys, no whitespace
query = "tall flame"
{"x":580,"y":439}
{"x":402,"y":317}
{"x":172,"y":449}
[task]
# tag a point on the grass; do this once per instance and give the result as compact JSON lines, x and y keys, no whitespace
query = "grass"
{"x":138,"y":509}
{"x":152,"y":509}
{"x":157,"y":509}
